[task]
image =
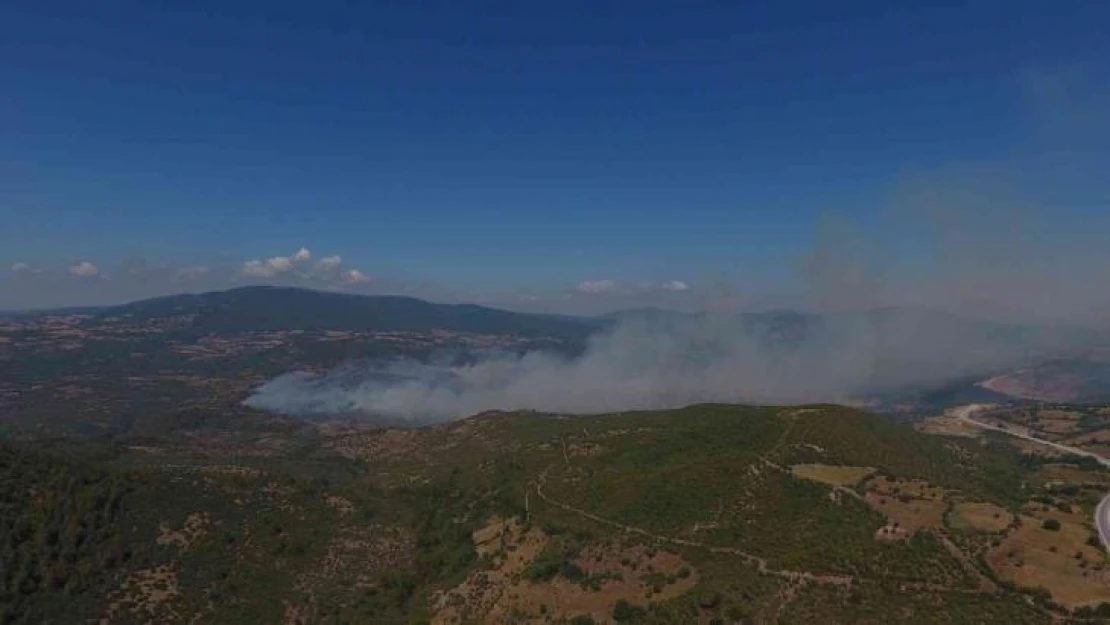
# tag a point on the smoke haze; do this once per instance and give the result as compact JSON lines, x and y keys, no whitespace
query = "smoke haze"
{"x":675,"y":361}
{"x":897,"y":300}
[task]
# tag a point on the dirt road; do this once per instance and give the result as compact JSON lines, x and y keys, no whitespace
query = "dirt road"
{"x":1102,"y":512}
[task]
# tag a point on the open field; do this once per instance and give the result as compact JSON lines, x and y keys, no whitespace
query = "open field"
{"x":831,"y":474}
{"x":1062,"y":561}
{"x":980,"y":517}
{"x":948,"y":426}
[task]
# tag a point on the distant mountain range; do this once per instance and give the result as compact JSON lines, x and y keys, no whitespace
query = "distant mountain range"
{"x":257,"y":309}
{"x":1056,"y":381}
{"x":265,"y":308}
{"x":934,"y":340}
{"x":895,"y":356}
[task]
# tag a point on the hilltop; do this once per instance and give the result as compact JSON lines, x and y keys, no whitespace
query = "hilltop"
{"x":266,"y":308}
{"x":705,"y":514}
{"x":189,"y":361}
{"x":1077,"y":381}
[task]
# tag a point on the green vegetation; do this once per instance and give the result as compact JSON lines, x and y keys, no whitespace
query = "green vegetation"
{"x":60,"y":535}
{"x":382,"y":533}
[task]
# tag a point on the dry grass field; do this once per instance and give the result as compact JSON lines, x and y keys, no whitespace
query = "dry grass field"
{"x":505,"y":593}
{"x":909,"y":505}
{"x":980,"y":516}
{"x":833,"y":475}
{"x":1060,"y":561}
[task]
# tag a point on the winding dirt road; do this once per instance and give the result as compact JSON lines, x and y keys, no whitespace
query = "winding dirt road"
{"x":1102,"y":512}
{"x":760,"y":563}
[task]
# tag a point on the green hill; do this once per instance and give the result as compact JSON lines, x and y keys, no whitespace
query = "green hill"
{"x":711,"y":513}
{"x":263,"y":308}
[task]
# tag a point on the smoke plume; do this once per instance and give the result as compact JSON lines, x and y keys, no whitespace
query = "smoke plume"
{"x":671,"y":362}
{"x":896,"y":303}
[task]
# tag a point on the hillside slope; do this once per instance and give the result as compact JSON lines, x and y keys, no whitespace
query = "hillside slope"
{"x":262,"y":309}
{"x":709,"y":512}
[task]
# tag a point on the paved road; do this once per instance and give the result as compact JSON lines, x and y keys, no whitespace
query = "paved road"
{"x":1102,"y":520}
{"x":1102,"y":512}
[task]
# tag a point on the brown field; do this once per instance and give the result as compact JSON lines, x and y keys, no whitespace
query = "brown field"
{"x":918,"y":489}
{"x":1035,"y":449}
{"x":501,"y":594}
{"x":948,"y":426}
{"x":1097,"y":442}
{"x":909,"y":505}
{"x":980,"y":516}
{"x":1097,"y":436}
{"x":1102,"y":449}
{"x":1058,"y":421}
{"x":1071,"y":473}
{"x":909,"y":516}
{"x":1032,"y":556}
{"x":833,"y":475}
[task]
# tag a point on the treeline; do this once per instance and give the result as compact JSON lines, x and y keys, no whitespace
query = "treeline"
{"x":59,"y":536}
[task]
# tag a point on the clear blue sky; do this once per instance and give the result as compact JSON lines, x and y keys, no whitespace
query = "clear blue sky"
{"x":497,"y":146}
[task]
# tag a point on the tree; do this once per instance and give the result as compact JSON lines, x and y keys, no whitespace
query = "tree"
{"x":622,"y":611}
{"x":1051,"y":525}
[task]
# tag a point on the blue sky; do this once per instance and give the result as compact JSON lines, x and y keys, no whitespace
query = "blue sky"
{"x":504,"y":151}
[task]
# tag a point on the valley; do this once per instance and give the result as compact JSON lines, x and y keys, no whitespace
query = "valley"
{"x":141,"y":488}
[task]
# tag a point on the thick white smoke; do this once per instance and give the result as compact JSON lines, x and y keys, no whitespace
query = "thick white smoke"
{"x":661,"y":364}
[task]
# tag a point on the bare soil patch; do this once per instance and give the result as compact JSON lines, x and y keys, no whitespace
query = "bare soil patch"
{"x":800,"y":412}
{"x":1034,"y":448}
{"x":833,"y":475}
{"x":1061,"y":561}
{"x":1068,"y":473}
{"x":1098,"y":437}
{"x":948,"y":426}
{"x":196,"y":527}
{"x":358,"y":557}
{"x":909,"y":505}
{"x":148,"y":592}
{"x":980,"y":516}
{"x":1058,"y":421}
{"x":584,"y":449}
{"x":342,"y":505}
{"x":501,"y":594}
{"x":388,"y":444}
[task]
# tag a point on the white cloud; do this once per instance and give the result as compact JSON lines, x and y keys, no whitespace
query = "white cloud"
{"x":20,"y":267}
{"x":275,"y":265}
{"x":84,"y":269}
{"x":596,"y":286}
{"x":280,"y":264}
{"x":675,"y":285}
{"x":354,"y":276}
{"x":256,"y":269}
{"x":300,"y":265}
{"x":329,"y":262}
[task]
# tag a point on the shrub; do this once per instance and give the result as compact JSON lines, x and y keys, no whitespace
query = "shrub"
{"x":622,"y":611}
{"x":1051,"y":525}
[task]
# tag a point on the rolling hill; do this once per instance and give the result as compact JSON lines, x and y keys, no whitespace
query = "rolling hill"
{"x":261,"y":309}
{"x":1074,"y":381}
{"x":711,"y":513}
